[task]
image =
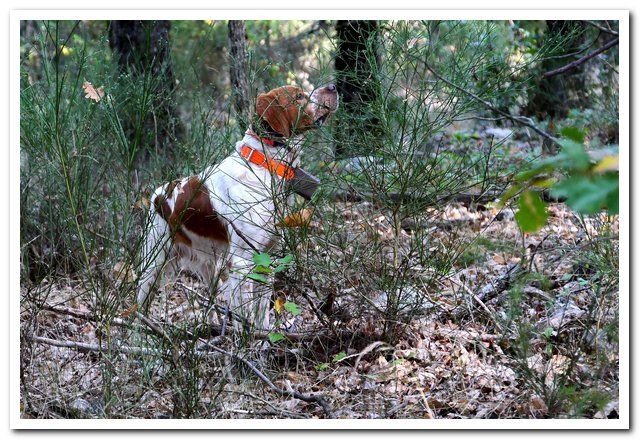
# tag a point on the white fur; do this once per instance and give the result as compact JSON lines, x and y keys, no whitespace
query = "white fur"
{"x":243,"y":193}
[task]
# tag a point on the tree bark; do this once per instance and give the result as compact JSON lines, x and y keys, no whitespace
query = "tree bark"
{"x":238,"y":71}
{"x":555,"y":95}
{"x":355,"y":63}
{"x":142,"y":50}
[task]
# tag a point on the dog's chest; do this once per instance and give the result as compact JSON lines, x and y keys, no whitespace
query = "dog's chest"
{"x":244,"y":193}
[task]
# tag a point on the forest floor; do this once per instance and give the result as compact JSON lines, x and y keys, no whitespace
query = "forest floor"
{"x":444,"y":365}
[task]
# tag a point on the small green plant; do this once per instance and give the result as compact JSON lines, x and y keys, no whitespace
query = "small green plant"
{"x":276,"y":337}
{"x":265,"y":265}
{"x":339,"y":356}
{"x":587,"y":186}
{"x":321,"y":366}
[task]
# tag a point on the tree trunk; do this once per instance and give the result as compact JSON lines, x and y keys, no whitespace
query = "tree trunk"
{"x":142,"y":50}
{"x":554,"y":96}
{"x":238,"y":71}
{"x":355,"y":63}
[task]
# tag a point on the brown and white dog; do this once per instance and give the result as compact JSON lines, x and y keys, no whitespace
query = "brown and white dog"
{"x":211,"y":223}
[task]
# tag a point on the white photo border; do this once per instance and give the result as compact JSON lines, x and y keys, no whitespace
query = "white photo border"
{"x":104,"y":14}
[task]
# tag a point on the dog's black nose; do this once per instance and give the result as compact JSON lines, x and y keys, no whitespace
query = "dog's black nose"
{"x":331,"y":87}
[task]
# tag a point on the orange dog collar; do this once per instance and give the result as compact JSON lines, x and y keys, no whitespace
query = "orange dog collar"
{"x":261,"y":159}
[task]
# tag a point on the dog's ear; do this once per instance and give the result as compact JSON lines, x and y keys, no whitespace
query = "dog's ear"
{"x":269,"y":109}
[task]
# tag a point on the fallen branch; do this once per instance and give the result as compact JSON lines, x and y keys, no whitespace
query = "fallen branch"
{"x":582,"y":60}
{"x":208,"y":329}
{"x":502,"y":283}
{"x":93,"y":348}
{"x":88,"y":316}
{"x":304,"y":397}
{"x":490,"y":290}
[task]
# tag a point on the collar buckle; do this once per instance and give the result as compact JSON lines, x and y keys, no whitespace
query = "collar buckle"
{"x":256,"y":161}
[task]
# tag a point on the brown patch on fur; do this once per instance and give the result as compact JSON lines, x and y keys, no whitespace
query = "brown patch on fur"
{"x":162,"y":207}
{"x":192,"y":211}
{"x":285,"y":110}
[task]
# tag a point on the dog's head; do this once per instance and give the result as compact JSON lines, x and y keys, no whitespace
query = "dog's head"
{"x":289,"y":110}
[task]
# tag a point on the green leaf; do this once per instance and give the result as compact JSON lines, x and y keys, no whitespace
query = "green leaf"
{"x":262,"y":269}
{"x":534,"y":172}
{"x":292,"y":308}
{"x":258,"y":277}
{"x":509,"y":193}
{"x":279,"y":268}
{"x":613,"y":201}
{"x":262,"y":259}
{"x":573,"y":156}
{"x":532,"y":214}
{"x":588,"y":195}
{"x":338,"y":357}
{"x":573,"y":133}
{"x":543,"y":182}
{"x":287,"y":259}
{"x":321,"y":366}
{"x":548,"y":332}
{"x":275,"y":337}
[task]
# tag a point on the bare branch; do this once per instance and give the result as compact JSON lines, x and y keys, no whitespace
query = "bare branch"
{"x":582,"y":60}
{"x":601,"y":28}
{"x":518,"y":119}
{"x":93,"y":348}
{"x":307,"y":398}
{"x":88,"y":316}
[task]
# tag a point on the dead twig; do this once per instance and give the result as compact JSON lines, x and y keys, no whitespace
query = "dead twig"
{"x":601,"y":28}
{"x":305,"y":397}
{"x":464,"y":198}
{"x":518,"y":119}
{"x":490,"y":290}
{"x":93,"y":348}
{"x":88,"y":316}
{"x":207,"y":330}
{"x":582,"y":60}
{"x":368,"y":349}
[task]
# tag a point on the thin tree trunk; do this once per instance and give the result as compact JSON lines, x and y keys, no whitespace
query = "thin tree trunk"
{"x":357,"y":85}
{"x":142,"y":49}
{"x":238,"y":70}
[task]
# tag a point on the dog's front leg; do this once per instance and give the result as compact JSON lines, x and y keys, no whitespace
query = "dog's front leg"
{"x":155,"y":255}
{"x":247,"y":298}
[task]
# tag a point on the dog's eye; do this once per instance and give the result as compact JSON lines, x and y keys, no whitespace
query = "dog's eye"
{"x":300,"y":96}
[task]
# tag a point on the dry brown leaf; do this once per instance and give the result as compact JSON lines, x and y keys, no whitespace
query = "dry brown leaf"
{"x":123,"y":272}
{"x":559,"y":364}
{"x":278,"y":304}
{"x":143,"y":203}
{"x":301,"y":218}
{"x":131,"y":310}
{"x":538,"y":405}
{"x":91,"y":92}
{"x":499,"y":259}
